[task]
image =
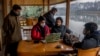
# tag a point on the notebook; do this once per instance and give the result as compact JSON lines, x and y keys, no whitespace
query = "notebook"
{"x":53,"y":37}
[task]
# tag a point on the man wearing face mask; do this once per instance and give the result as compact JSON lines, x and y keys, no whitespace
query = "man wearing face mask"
{"x":92,"y":37}
{"x":40,"y":30}
{"x":11,"y":31}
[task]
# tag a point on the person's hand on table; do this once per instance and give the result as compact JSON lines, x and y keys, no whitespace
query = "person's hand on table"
{"x":43,"y":41}
{"x":47,"y":34}
{"x":73,"y":38}
{"x":68,"y":35}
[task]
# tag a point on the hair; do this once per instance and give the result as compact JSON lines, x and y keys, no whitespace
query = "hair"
{"x":59,"y":18}
{"x":41,"y":18}
{"x":91,"y":26}
{"x":54,"y":9}
{"x":16,"y":7}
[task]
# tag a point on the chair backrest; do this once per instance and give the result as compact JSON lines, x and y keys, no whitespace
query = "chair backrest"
{"x":89,"y":52}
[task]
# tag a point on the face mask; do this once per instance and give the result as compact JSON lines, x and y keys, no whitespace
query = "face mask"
{"x":17,"y":14}
{"x":42,"y":25}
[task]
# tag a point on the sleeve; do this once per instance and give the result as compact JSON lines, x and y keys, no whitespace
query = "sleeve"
{"x":77,"y":45}
{"x":8,"y":30}
{"x":35,"y":34}
{"x":68,"y":30}
{"x":52,"y":30}
{"x":49,"y":20}
{"x":89,"y":43}
{"x":47,"y":30}
{"x":5,"y":31}
{"x":64,"y":31}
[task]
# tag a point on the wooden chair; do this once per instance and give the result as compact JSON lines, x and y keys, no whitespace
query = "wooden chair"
{"x":89,"y":52}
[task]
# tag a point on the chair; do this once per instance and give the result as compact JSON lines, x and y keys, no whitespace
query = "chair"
{"x":89,"y":52}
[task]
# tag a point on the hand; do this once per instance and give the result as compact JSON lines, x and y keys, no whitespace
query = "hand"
{"x":47,"y":34}
{"x":43,"y":41}
{"x":74,"y":37}
{"x":50,"y":28}
{"x":42,"y":38}
{"x":68,"y":35}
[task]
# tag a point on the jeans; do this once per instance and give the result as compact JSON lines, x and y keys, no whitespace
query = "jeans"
{"x":11,"y":49}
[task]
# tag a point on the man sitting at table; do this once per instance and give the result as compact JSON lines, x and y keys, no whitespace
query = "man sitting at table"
{"x":60,"y":28}
{"x":40,"y":30}
{"x":92,"y":37}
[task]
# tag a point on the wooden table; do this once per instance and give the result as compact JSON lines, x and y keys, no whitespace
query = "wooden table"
{"x":30,"y":49}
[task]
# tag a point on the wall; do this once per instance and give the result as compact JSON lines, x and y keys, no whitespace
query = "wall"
{"x":1,"y":13}
{"x":1,"y":20}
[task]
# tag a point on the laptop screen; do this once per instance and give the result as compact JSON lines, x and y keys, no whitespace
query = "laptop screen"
{"x":53,"y":37}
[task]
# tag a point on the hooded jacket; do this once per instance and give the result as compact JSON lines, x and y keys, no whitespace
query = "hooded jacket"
{"x":89,"y":41}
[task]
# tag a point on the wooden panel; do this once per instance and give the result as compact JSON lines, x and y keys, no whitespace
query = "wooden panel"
{"x":17,"y":2}
{"x":56,"y":1}
{"x":37,"y":2}
{"x":29,"y":2}
{"x":5,"y":8}
{"x":67,"y":12}
{"x":0,"y":40}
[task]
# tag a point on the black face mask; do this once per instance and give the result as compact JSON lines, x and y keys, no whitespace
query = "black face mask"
{"x":14,"y":14}
{"x":18,"y":14}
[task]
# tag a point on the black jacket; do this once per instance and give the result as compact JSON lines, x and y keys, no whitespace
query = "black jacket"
{"x":50,"y":21}
{"x":89,"y":41}
{"x":60,"y":29}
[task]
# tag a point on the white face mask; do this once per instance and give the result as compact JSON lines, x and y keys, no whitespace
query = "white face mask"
{"x":42,"y":25}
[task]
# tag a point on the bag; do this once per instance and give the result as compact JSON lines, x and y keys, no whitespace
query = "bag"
{"x":67,"y":40}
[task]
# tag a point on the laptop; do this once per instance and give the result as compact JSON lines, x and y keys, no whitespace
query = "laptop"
{"x":53,"y":37}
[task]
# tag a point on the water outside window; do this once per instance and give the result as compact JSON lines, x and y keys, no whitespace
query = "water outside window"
{"x":81,"y":12}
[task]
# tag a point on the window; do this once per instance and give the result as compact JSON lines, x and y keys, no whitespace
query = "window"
{"x":32,"y":11}
{"x":83,"y":11}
